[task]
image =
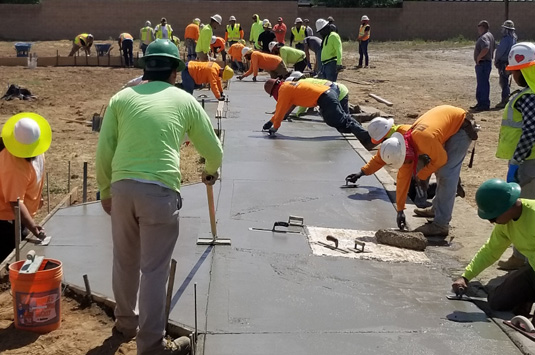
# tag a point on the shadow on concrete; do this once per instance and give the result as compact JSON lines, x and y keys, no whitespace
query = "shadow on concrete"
{"x":373,"y":193}
{"x":468,"y":317}
{"x":12,"y":338}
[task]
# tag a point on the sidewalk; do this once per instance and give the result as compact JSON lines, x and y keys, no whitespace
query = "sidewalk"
{"x":267,"y":293}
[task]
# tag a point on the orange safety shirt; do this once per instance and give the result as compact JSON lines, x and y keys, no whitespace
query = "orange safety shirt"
{"x":429,"y":134}
{"x":20,"y":178}
{"x":192,"y":31}
{"x":219,"y":42}
{"x":206,"y":72}
{"x":296,"y":94}
{"x":376,"y":163}
{"x":235,"y":51}
{"x":264,"y":61}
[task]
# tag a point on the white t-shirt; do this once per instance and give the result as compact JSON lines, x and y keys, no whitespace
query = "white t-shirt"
{"x":165,"y":33}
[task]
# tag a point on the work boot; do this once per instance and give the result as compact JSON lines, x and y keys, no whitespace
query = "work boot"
{"x":513,"y":263}
{"x":428,"y":212}
{"x":501,"y":104}
{"x":433,"y":230}
{"x":423,"y":204}
{"x":125,"y":333}
{"x":179,"y":346}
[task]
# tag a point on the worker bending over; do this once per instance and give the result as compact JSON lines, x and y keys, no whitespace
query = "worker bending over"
{"x":217,"y":45}
{"x":198,"y":73}
{"x":83,"y":41}
{"x":290,"y":56}
{"x":291,"y":94}
{"x":258,"y":60}
{"x":236,"y":57}
{"x":205,"y":38}
{"x":126,"y":45}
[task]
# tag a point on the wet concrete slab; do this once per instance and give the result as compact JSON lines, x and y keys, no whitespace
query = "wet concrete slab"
{"x":267,"y":293}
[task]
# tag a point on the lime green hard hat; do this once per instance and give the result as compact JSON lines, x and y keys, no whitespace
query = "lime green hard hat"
{"x":496,"y":196}
{"x":159,"y":49}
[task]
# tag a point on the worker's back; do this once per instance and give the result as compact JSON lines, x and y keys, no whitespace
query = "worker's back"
{"x":439,"y":123}
{"x":265,"y":60}
{"x":192,"y":31}
{"x":203,"y":72}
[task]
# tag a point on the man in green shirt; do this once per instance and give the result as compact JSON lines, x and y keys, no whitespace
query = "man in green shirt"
{"x":256,"y":29}
{"x":499,"y":202}
{"x":289,"y":55}
{"x":138,"y":168}
{"x":331,"y":51}
{"x":205,"y":38}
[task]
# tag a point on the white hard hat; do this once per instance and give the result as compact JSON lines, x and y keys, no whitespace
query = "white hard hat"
{"x":295,"y":75}
{"x":147,"y":23}
{"x":393,"y":150}
{"x":245,"y":50}
{"x":321,"y":23}
{"x":232,"y":18}
{"x":522,"y":55}
{"x":298,"y":20}
{"x":365,"y":18}
{"x":212,"y":41}
{"x":217,"y":18}
{"x":509,"y":25}
{"x":379,"y":127}
{"x":272,"y":45}
{"x":197,"y":20}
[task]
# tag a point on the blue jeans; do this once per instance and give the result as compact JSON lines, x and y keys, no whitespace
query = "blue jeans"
{"x":188,"y":84}
{"x":345,"y":104}
{"x":144,"y":47}
{"x":190,"y":47}
{"x":504,"y":81}
{"x":448,"y":177}
{"x":363,"y":52}
{"x":483,"y":84}
{"x":334,"y":116}
{"x":329,"y":72}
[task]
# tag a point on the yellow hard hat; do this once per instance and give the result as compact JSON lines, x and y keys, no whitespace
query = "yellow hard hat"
{"x":228,"y":73}
{"x":27,"y":135}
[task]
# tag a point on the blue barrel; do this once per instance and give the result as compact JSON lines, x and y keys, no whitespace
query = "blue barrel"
{"x":102,"y":48}
{"x":23,"y":49}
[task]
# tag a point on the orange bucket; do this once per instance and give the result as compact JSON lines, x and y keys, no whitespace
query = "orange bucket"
{"x":37,"y":297}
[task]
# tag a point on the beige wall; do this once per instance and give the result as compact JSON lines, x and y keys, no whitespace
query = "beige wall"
{"x":63,"y":19}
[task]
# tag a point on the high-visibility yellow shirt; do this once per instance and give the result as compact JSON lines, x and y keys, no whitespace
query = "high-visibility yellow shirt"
{"x":147,"y":35}
{"x":203,"y":43}
{"x":81,"y":39}
{"x":299,"y":35}
{"x":206,"y":72}
{"x":124,"y":36}
{"x":233,"y":33}
{"x":159,"y":32}
{"x":332,"y":49}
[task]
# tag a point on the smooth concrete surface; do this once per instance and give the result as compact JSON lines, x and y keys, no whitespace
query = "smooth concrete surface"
{"x":267,"y":293}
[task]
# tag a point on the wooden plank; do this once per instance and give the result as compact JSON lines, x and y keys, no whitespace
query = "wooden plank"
{"x":380,"y":99}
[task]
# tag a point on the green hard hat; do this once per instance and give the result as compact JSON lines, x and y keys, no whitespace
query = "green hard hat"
{"x":496,"y":196}
{"x":163,"y":52}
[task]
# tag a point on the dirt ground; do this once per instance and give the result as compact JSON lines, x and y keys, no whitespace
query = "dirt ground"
{"x":414,"y":76}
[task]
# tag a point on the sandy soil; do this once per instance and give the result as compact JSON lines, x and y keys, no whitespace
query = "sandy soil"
{"x":414,"y":76}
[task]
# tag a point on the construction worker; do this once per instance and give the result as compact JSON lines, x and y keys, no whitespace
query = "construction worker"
{"x":266,"y":37}
{"x":364,"y":38}
{"x":256,"y":30}
{"x":258,"y":60}
{"x":331,"y":52}
{"x":83,"y":41}
{"x":163,"y":30}
{"x":298,"y":34}
{"x":234,"y":32}
{"x":290,"y":56}
{"x":191,"y":36}
{"x":205,"y":38}
{"x":146,"y":34}
{"x":290,"y":94}
{"x":501,"y":59}
{"x":25,"y":138}
{"x":280,"y":31}
{"x":313,"y":44}
{"x":517,"y":141}
{"x":343,"y":97}
{"x":444,"y":134}
{"x":217,"y":45}
{"x":514,"y":219}
{"x":198,"y":73}
{"x":331,"y":23}
{"x":308,"y":30}
{"x":483,"y":53}
{"x":126,"y":45}
{"x":236,"y":58}
{"x":140,"y":188}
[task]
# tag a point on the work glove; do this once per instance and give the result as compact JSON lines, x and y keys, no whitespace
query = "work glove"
{"x":267,"y":125}
{"x":352,"y":178}
{"x":459,"y":286}
{"x":512,"y":173}
{"x":209,"y":179}
{"x":254,"y":78}
{"x":222,"y":97}
{"x":339,"y":68}
{"x":401,"y":220}
{"x":272,"y":131}
{"x":240,"y":77}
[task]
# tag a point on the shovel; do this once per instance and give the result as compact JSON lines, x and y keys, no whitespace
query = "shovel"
{"x":211,"y":210}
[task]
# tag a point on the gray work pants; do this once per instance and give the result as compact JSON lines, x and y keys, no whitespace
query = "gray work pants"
{"x":448,"y":177}
{"x":526,"y":180}
{"x":145,"y":230}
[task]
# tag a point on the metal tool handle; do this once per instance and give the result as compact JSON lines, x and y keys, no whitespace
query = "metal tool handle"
{"x":211,"y":209}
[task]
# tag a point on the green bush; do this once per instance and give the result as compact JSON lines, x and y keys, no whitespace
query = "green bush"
{"x":20,"y":1}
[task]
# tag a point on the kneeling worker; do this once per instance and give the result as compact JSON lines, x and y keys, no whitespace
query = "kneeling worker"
{"x":514,"y":219}
{"x":272,"y":63}
{"x":292,"y":94}
{"x":83,"y":41}
{"x":290,"y":56}
{"x":198,"y":73}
